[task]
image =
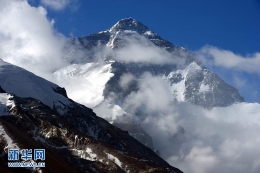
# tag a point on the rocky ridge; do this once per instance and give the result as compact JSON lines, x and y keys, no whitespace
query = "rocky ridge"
{"x":75,"y":139}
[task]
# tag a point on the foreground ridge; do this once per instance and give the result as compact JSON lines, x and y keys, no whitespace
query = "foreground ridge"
{"x":75,"y":139}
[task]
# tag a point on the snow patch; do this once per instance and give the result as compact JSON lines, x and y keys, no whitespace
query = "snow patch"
{"x":92,"y":155}
{"x":112,"y":40}
{"x":86,"y":154}
{"x":179,"y":88}
{"x":3,"y":104}
{"x":129,"y":32}
{"x":6,"y":103}
{"x":149,"y":33}
{"x":204,"y":88}
{"x":114,"y":159}
{"x":193,"y":67}
{"x":9,"y":141}
{"x":108,"y":111}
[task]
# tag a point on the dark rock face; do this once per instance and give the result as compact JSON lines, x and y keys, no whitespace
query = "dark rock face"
{"x":136,"y":131}
{"x":1,"y":90}
{"x":61,"y":91}
{"x":220,"y":94}
{"x":216,"y":92}
{"x":77,"y":141}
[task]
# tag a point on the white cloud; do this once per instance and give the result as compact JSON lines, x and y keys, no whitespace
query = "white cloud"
{"x":239,"y":82}
{"x":219,"y":140}
{"x":199,"y":160}
{"x":28,"y":38}
{"x":224,"y":58}
{"x":125,"y":80}
{"x":139,"y":49}
{"x":147,"y":97}
{"x":57,"y":4}
{"x":192,"y":138}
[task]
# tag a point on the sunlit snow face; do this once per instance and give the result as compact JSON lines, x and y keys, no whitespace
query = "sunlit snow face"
{"x":85,"y":83}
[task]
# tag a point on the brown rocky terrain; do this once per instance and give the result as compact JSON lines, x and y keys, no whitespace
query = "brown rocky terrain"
{"x":77,"y":141}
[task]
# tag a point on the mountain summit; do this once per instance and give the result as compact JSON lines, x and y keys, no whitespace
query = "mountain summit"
{"x":200,"y":86}
{"x":129,"y":24}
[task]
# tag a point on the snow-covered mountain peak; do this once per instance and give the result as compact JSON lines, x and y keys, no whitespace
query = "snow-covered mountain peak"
{"x":200,"y":86}
{"x":129,"y":24}
{"x":129,"y":28}
{"x":190,"y":81}
{"x":117,"y":37}
{"x":193,"y":67}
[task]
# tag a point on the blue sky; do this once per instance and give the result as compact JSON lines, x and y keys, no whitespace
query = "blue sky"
{"x":232,"y":25}
{"x":229,"y":25}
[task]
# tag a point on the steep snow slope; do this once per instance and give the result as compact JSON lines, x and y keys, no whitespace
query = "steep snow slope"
{"x":25,"y":84}
{"x":85,"y":82}
{"x":201,"y":87}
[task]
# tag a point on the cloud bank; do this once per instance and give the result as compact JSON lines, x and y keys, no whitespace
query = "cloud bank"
{"x":224,"y":58}
{"x":192,"y":138}
{"x":28,"y":38}
{"x":138,"y":49}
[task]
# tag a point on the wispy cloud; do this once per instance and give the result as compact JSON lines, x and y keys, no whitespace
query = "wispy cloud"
{"x":138,"y":49}
{"x":57,"y":4}
{"x":135,"y":48}
{"x":239,"y":82}
{"x":224,"y":58}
